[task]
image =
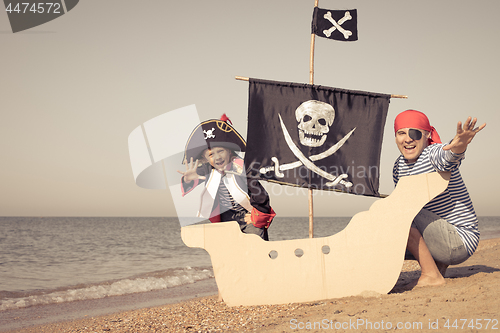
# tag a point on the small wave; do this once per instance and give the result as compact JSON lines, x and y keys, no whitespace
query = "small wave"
{"x":155,"y":281}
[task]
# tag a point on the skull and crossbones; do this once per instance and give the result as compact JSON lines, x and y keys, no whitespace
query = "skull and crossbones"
{"x":337,"y":25}
{"x":209,"y":134}
{"x":314,"y":120}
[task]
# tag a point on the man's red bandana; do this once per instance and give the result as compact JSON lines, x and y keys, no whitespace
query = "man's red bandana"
{"x":416,"y":119}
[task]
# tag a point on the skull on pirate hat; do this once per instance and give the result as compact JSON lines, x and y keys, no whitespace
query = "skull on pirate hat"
{"x":213,"y":133}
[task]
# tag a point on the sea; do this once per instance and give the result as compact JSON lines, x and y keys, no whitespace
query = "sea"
{"x":47,"y":260}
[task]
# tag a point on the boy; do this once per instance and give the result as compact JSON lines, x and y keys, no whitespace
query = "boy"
{"x":228,"y":194}
{"x":445,"y":232}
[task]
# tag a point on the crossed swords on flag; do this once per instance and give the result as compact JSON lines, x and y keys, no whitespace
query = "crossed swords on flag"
{"x":308,"y":163}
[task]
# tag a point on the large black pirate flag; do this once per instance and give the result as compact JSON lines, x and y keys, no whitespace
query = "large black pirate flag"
{"x":340,"y":25}
{"x":314,"y":136}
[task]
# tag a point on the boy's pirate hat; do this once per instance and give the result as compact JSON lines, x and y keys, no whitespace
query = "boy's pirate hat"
{"x":213,"y":133}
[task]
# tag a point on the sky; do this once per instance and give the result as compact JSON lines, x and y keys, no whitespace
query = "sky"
{"x":73,"y":89}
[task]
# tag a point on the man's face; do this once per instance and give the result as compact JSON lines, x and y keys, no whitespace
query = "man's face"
{"x":411,"y":142}
{"x":218,"y":157}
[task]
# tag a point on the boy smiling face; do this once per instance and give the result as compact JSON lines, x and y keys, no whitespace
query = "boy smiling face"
{"x":218,"y":157}
{"x":411,"y":142}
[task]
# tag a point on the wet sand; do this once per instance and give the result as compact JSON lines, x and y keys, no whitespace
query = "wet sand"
{"x":468,"y":302}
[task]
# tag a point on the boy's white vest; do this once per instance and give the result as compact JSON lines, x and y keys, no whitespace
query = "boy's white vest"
{"x":211,"y":187}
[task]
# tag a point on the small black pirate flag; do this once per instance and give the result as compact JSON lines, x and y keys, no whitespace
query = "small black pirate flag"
{"x":335,"y":24}
{"x":314,"y":136}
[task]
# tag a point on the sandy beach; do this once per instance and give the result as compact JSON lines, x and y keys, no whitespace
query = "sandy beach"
{"x":468,"y":302}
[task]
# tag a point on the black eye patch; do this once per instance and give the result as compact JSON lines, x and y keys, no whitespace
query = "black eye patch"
{"x":415,"y":134}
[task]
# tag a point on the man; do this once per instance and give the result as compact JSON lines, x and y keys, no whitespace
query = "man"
{"x":445,"y":232}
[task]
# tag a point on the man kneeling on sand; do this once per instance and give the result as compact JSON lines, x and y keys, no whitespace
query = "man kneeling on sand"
{"x":445,"y":232}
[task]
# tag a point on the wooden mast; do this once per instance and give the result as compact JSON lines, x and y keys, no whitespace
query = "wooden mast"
{"x":311,"y":81}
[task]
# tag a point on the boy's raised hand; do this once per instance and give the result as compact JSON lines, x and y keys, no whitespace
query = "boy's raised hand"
{"x":464,"y":135}
{"x":190,"y":174}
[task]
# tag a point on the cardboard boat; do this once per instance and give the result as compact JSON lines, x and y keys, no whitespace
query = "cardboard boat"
{"x":365,"y":257}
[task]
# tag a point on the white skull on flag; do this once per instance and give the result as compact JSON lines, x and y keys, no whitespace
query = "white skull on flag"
{"x":315,"y":119}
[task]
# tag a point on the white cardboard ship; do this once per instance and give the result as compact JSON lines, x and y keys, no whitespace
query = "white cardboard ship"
{"x":367,"y":256}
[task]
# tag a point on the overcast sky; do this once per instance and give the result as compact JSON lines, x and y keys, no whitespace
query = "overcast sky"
{"x":73,"y":89}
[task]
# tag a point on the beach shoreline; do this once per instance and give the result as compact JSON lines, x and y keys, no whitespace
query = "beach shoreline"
{"x":33,"y":316}
{"x":471,"y":293}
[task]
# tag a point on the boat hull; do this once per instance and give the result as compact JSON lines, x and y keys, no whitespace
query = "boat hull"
{"x":364,"y":258}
